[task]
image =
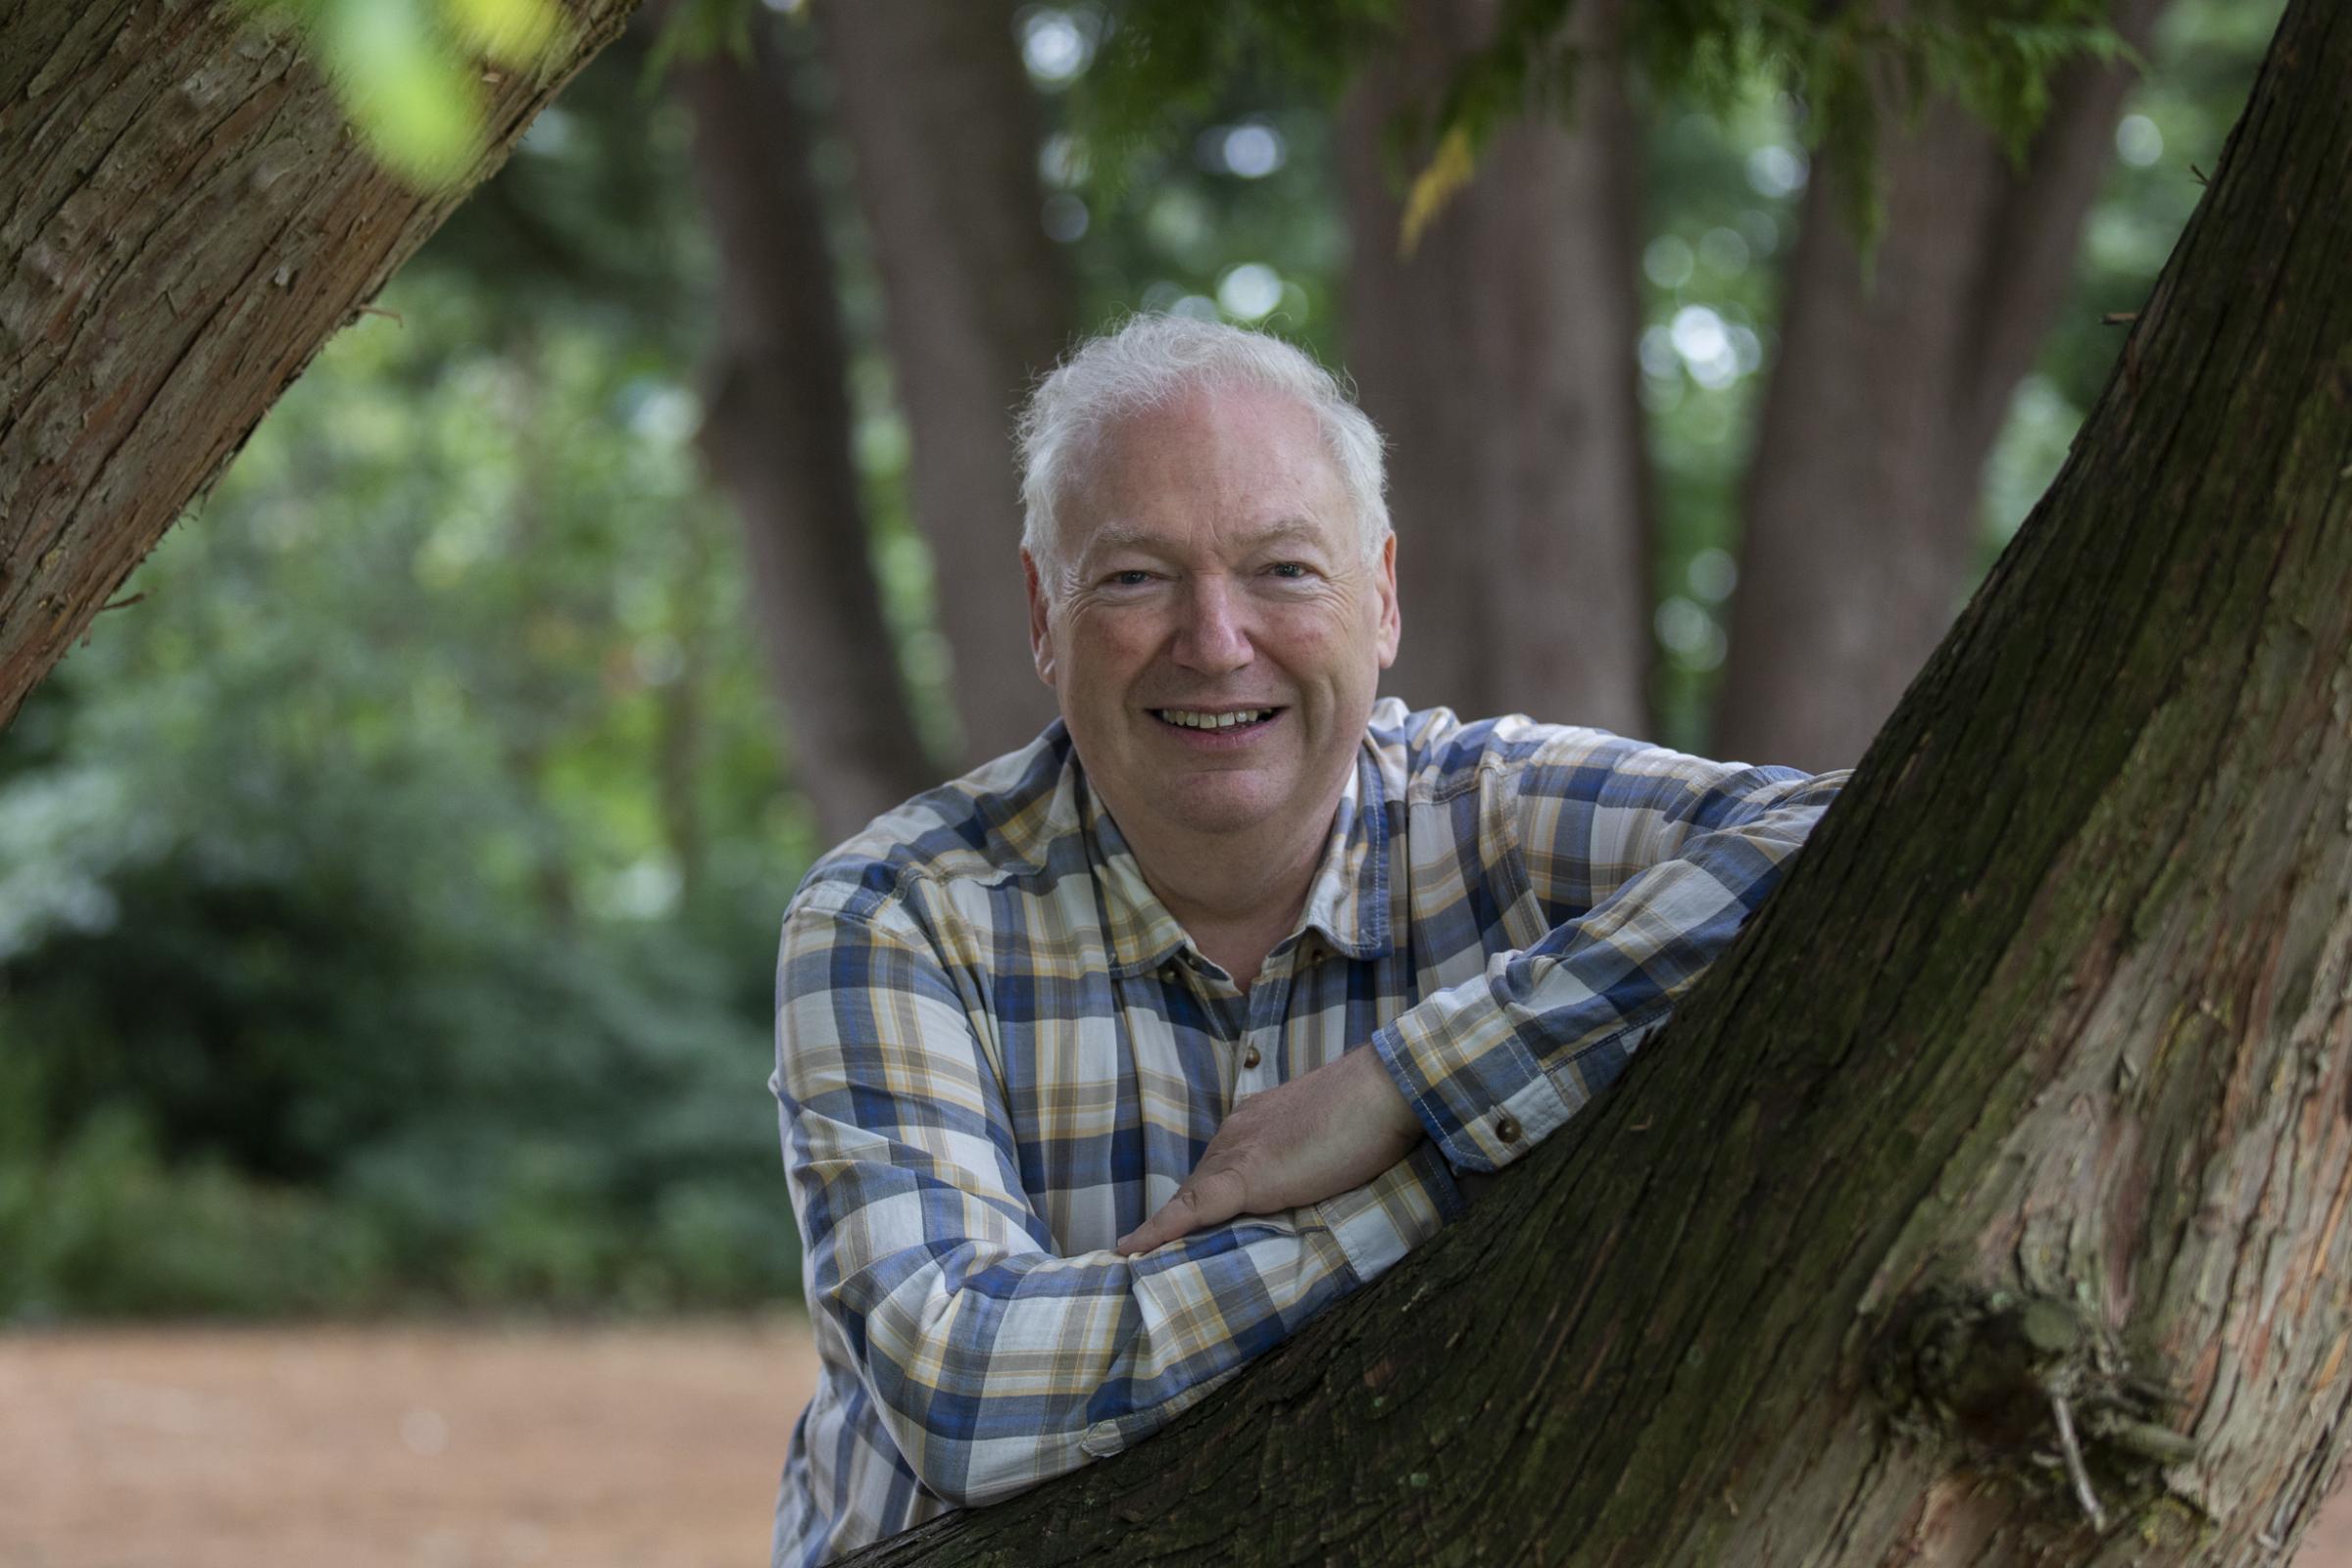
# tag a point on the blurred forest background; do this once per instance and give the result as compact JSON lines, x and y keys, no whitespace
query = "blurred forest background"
{"x":388,"y":887}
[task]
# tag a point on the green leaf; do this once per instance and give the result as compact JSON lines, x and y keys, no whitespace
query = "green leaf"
{"x":521,"y":34}
{"x":411,"y":99}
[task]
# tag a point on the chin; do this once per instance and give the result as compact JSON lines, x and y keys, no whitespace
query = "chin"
{"x":1221,"y":810}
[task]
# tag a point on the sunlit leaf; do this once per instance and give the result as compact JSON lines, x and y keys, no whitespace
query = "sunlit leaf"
{"x":512,"y":32}
{"x":413,"y":99}
{"x":1448,"y":170}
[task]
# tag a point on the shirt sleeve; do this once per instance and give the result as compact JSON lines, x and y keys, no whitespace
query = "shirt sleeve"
{"x":1651,"y":861}
{"x":992,"y":1363}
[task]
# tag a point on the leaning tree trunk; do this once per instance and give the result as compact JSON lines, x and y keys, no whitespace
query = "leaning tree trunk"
{"x":1499,"y":358}
{"x":978,"y":301}
{"x":2029,"y":1092}
{"x":1892,"y":384}
{"x":777,"y":438}
{"x":184,"y":220}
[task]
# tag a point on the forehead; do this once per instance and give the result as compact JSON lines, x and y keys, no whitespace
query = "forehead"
{"x":1217,"y":464}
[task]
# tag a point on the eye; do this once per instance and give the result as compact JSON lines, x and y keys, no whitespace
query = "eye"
{"x":1132,"y":577}
{"x":1291,"y":571}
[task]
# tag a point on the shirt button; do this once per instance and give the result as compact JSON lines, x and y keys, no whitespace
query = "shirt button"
{"x":1249,"y":1058}
{"x":1506,"y":1129}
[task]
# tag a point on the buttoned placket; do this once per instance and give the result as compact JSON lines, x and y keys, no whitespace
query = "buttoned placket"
{"x":1259,"y":1061}
{"x":1252,"y":1041}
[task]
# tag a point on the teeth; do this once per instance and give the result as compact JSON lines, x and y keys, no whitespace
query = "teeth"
{"x":1197,"y":721}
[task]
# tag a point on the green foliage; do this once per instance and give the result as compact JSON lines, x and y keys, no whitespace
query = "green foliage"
{"x":386,"y":898}
{"x":1722,"y":190}
{"x":2200,"y":62}
{"x":408,"y":71}
{"x":699,"y":29}
{"x":1848,"y":65}
{"x":388,"y":895}
{"x":1165,"y":64}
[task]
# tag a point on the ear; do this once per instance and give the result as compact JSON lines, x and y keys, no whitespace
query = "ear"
{"x":1041,"y":631}
{"x":1392,"y":623}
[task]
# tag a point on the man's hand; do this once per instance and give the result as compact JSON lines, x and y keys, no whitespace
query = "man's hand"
{"x":1335,"y":1128}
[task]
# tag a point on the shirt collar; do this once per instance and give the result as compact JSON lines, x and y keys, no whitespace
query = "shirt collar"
{"x":1346,"y":902}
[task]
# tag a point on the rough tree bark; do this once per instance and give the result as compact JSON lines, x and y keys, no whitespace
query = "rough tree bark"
{"x":1889,"y":388}
{"x":777,"y":438}
{"x":184,"y":219}
{"x":1499,"y":358}
{"x":2032,"y":1086}
{"x":978,"y":301}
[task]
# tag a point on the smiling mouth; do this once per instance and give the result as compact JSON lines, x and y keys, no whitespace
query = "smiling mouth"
{"x":1199,"y":718}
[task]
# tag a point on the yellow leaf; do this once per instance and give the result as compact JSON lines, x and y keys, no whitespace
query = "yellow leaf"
{"x":1449,"y":171}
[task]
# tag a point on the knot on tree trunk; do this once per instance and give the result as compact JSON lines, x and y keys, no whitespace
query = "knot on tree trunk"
{"x":2034,"y":1388}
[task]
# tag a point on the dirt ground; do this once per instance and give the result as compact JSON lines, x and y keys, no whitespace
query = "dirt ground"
{"x":426,"y":1448}
{"x":405,"y":1448}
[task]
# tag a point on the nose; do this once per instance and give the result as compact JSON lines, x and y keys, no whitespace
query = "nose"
{"x":1211,"y":635}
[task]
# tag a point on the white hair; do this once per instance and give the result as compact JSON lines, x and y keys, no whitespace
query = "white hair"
{"x":1153,"y":361}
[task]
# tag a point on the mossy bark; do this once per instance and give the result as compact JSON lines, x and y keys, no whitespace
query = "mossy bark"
{"x":184,"y":218}
{"x":2042,"y":1056}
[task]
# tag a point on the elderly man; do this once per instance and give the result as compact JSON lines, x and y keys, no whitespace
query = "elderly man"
{"x":1107,"y":1066}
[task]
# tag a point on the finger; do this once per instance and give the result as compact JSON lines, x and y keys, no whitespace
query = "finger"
{"x":1210,"y":1197}
{"x":1175,"y":1217}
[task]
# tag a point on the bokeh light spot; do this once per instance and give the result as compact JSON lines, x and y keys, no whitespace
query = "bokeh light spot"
{"x":1251,"y":291}
{"x":1253,"y":150}
{"x":1056,"y":45}
{"x":1668,"y":261}
{"x":1064,"y":217}
{"x":1712,"y":574}
{"x":2137,"y":141}
{"x":1722,"y":252}
{"x":1776,"y":170}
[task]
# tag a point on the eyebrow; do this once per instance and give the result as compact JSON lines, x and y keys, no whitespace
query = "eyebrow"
{"x":1115,"y":535}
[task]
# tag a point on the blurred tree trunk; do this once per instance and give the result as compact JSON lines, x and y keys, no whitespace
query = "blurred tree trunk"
{"x":184,"y":219}
{"x":683,"y":715}
{"x":1861,"y":524}
{"x":2023,"y":1109}
{"x":1498,"y":359}
{"x":943,"y":130}
{"x":777,"y":437}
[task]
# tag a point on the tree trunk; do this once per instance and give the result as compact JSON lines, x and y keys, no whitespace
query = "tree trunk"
{"x":1889,"y":388}
{"x":978,"y":302}
{"x":1498,"y":359}
{"x":184,"y":220}
{"x":777,"y":438}
{"x":2032,"y":1088}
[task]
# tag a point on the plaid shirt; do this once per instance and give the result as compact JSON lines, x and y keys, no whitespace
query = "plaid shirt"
{"x":997,"y":1051}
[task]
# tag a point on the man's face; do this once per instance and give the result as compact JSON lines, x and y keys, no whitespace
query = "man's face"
{"x":1218,"y":633}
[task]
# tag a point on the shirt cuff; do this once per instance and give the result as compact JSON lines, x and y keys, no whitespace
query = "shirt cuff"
{"x":1378,"y":1222}
{"x":1460,"y":1062}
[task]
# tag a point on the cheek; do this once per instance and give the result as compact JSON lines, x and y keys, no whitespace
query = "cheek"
{"x":1323,"y":642}
{"x":1107,"y":644}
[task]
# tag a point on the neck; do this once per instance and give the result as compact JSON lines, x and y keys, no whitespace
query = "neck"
{"x":1236,"y":895}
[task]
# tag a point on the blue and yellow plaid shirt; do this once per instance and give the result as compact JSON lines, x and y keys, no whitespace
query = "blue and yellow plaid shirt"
{"x":996,"y":1053}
